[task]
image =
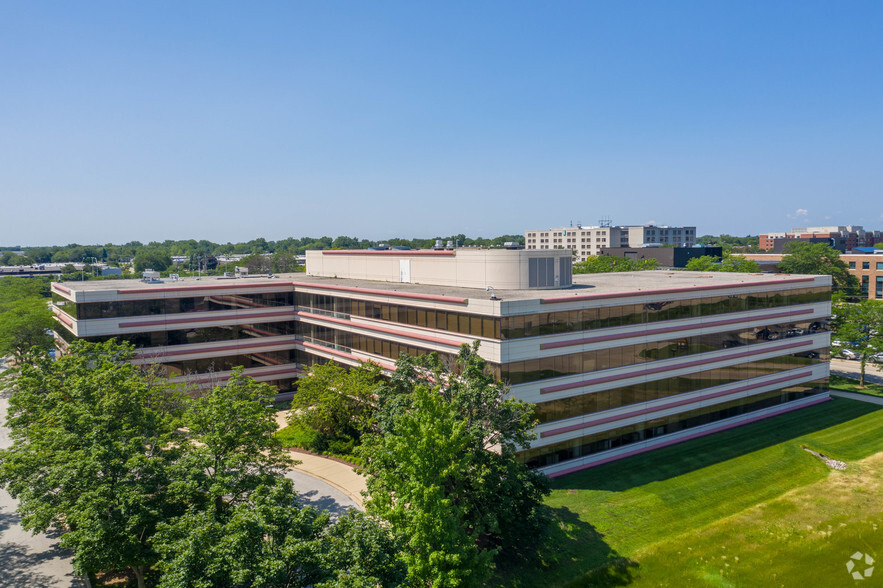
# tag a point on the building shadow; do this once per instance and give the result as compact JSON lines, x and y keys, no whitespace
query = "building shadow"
{"x":570,"y":546}
{"x":682,"y":458}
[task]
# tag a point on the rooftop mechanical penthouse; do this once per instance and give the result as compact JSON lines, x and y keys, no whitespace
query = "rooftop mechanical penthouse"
{"x":617,"y":364}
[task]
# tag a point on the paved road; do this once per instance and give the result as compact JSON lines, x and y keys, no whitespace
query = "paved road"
{"x":852,"y":369}
{"x":315,"y":492}
{"x":25,"y":559}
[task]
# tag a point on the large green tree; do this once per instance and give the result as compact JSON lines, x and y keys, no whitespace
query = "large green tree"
{"x":230,"y":448}
{"x":92,"y":446}
{"x":25,"y":324}
{"x":858,"y":326}
{"x":271,"y":541}
{"x":441,"y":468}
{"x":818,"y":259}
{"x":338,"y":404}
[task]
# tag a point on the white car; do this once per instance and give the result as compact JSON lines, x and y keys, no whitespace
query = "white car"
{"x":848,"y":354}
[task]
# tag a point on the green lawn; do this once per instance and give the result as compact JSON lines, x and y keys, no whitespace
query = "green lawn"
{"x":669,"y":516}
{"x":851,"y":385}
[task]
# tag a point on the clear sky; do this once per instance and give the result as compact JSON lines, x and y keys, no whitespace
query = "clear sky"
{"x":224,"y":121}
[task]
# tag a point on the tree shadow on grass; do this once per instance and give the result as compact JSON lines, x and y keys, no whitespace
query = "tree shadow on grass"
{"x":682,"y":458}
{"x":570,"y":553}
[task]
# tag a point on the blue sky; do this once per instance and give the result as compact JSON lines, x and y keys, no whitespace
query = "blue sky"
{"x":231,"y":121}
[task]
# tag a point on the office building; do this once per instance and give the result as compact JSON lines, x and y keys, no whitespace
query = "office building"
{"x":585,"y":241}
{"x":616,"y":364}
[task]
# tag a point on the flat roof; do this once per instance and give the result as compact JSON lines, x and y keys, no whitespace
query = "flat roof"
{"x":583,"y":284}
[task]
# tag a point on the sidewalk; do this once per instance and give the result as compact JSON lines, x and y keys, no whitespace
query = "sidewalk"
{"x":337,"y":474}
{"x":855,"y":396}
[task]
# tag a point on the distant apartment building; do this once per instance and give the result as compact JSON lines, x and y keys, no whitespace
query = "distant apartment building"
{"x":585,"y":241}
{"x":842,"y":237}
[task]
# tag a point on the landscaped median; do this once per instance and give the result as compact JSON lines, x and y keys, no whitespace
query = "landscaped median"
{"x":680,"y":516}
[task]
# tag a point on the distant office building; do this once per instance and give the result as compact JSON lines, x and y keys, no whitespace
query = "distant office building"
{"x":843,"y":238}
{"x":616,"y":364}
{"x":664,"y":256}
{"x":585,"y":241}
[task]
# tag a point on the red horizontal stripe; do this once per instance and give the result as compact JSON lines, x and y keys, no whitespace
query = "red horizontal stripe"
{"x":687,"y":438}
{"x":419,"y":337}
{"x":394,"y":294}
{"x":615,"y":336}
{"x":173,"y":349}
{"x":619,"y":417}
{"x":280,"y":285}
{"x":60,"y":316}
{"x":210,"y":378}
{"x":350,"y":356}
{"x":657,"y":370}
{"x":60,"y":287}
{"x":202,"y":319}
{"x":671,"y":290}
{"x":397,"y":252}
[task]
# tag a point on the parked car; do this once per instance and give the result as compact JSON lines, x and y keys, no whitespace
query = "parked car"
{"x":878,"y":357}
{"x":848,"y":354}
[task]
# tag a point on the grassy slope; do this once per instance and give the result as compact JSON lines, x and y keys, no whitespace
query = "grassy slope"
{"x":609,"y":518}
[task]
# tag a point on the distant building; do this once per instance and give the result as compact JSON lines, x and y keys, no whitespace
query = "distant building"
{"x":617,"y":364}
{"x":585,"y":241}
{"x":843,"y":238}
{"x":866,"y":267}
{"x":665,"y":256}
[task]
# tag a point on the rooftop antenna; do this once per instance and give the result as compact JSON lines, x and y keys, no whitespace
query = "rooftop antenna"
{"x":604,"y":222}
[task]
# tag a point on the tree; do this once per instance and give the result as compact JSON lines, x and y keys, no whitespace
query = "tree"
{"x":859,"y":327}
{"x":338,"y":404}
{"x":24,"y":323}
{"x":92,"y":442}
{"x":441,"y":468}
{"x":257,"y":263}
{"x":730,"y":263}
{"x":598,"y":264}
{"x":154,"y":259}
{"x":272,"y":541}
{"x":231,"y":448}
{"x":284,"y":262}
{"x":817,"y":259}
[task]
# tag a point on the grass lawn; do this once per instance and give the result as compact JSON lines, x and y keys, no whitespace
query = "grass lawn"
{"x":851,"y":385}
{"x":680,"y":515}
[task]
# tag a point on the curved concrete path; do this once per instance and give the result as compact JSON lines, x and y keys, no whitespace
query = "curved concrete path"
{"x":334,"y":473}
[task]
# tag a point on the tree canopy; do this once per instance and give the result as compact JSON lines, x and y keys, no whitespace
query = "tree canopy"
{"x":729,"y":263}
{"x":441,"y":468}
{"x":598,"y":264}
{"x":858,"y":326}
{"x":134,"y":474}
{"x":818,"y":259}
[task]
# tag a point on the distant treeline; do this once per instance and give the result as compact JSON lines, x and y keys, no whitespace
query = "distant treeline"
{"x":110,"y":253}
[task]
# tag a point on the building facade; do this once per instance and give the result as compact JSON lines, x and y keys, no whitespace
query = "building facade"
{"x":866,"y":267}
{"x":616,"y":364}
{"x":841,"y":237}
{"x":586,"y":241}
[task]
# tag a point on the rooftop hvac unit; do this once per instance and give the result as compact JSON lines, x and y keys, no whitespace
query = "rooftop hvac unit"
{"x":149,"y":275}
{"x":242,"y":271}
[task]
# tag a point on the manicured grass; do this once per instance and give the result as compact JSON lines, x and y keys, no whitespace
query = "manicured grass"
{"x":852,"y":385}
{"x":608,"y":519}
